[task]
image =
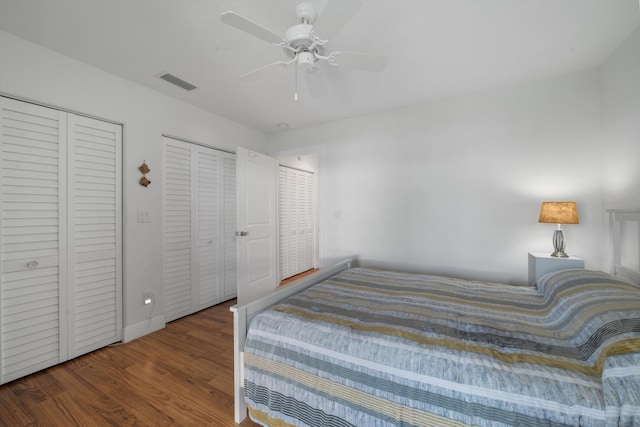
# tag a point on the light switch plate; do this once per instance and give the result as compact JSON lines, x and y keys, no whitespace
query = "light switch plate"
{"x":144,"y":216}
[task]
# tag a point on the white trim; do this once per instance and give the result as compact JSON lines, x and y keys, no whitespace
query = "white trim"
{"x":57,"y":107}
{"x":146,"y":327}
{"x":201,"y":144}
{"x":616,"y":218}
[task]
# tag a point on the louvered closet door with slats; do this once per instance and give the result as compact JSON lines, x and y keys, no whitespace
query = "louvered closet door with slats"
{"x":95,"y":318}
{"x":33,"y":239}
{"x":287,"y":214}
{"x":199,"y":226}
{"x":296,"y":221}
{"x":229,"y":227}
{"x":179,"y":228}
{"x":60,"y":236}
{"x":305,"y":220}
{"x":208,"y":227}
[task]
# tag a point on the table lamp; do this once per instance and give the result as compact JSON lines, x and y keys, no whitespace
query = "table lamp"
{"x":559,"y":213}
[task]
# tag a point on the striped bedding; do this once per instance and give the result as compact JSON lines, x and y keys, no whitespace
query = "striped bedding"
{"x":378,"y":348}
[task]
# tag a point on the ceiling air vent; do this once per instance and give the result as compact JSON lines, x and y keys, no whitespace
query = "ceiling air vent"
{"x":177,"y":81}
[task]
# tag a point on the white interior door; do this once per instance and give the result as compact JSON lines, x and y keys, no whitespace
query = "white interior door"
{"x":95,"y":234}
{"x":296,"y":219}
{"x":60,"y":236}
{"x":208,"y":211}
{"x":199,"y":226}
{"x":229,"y":219}
{"x":256,"y":181}
{"x":179,"y":228}
{"x":33,"y":238}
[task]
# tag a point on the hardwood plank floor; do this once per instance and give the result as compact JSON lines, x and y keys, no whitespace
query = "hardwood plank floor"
{"x":298,"y":276}
{"x":181,"y":375}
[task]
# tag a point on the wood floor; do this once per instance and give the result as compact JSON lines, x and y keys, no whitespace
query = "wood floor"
{"x":181,"y":375}
{"x":298,"y":276}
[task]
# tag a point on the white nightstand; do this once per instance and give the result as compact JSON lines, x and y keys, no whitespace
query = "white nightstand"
{"x":541,"y":263}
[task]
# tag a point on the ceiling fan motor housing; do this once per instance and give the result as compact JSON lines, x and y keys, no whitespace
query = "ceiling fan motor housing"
{"x":298,"y":39}
{"x":298,"y":35}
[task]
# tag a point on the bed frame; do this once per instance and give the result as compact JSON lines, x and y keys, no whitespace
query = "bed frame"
{"x":242,"y":314}
{"x":618,"y":240}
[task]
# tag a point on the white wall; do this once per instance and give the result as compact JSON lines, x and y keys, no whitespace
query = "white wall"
{"x":621,"y":138}
{"x":621,"y":117}
{"x":31,"y":72}
{"x":454,"y":186}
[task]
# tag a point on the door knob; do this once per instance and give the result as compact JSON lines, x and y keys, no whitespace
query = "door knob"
{"x":244,"y":233}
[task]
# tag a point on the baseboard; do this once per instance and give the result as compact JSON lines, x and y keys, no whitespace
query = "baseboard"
{"x":141,"y":329}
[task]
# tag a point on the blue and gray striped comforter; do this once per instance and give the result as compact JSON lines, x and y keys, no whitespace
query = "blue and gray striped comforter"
{"x":379,"y":348}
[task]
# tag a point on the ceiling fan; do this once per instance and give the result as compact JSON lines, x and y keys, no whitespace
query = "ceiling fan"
{"x":303,"y":46}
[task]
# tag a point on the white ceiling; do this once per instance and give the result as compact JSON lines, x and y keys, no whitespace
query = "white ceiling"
{"x":436,"y":48}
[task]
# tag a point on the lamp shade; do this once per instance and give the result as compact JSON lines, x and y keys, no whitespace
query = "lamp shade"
{"x":559,"y":213}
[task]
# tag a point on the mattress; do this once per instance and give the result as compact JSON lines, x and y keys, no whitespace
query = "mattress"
{"x":379,"y":348}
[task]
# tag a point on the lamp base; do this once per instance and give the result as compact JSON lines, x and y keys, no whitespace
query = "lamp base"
{"x":560,"y":255}
{"x":559,"y":243}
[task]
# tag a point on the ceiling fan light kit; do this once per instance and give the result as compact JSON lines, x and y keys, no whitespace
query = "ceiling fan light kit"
{"x":305,"y":59}
{"x":304,"y":48}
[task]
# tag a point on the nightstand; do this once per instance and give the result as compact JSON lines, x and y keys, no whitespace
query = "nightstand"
{"x":541,"y":263}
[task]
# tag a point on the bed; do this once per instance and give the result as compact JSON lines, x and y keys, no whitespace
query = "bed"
{"x":366,"y":347}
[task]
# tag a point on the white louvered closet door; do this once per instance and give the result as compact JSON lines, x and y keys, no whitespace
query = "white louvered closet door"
{"x":229,"y":227}
{"x":95,"y":230}
{"x":296,"y":221}
{"x":179,"y":228}
{"x":305,"y":220}
{"x":60,"y":241}
{"x":209,"y":223}
{"x":33,"y":240}
{"x":287,"y":214}
{"x":199,"y":227}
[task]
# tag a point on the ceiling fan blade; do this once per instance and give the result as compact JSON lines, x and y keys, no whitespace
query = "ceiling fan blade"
{"x":334,"y":17}
{"x":315,"y":83}
{"x":259,"y":72}
{"x":361,"y":61}
{"x":250,"y":27}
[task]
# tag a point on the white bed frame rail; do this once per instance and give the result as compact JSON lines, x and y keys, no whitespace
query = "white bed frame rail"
{"x":242,"y":315}
{"x":616,"y":219}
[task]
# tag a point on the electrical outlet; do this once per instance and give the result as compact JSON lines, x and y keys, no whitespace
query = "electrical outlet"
{"x":147,"y":298}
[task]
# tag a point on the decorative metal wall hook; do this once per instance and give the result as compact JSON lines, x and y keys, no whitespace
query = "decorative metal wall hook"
{"x":144,"y":168}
